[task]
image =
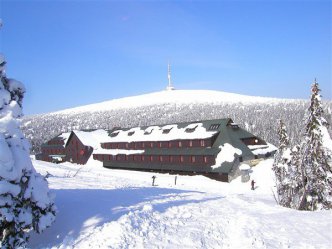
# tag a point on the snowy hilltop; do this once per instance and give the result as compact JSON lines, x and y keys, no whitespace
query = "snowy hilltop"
{"x":178,"y":97}
{"x":104,"y":208}
{"x":256,"y":114}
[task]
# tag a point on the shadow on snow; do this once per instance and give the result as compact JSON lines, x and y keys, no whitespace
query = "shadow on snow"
{"x":80,"y":209}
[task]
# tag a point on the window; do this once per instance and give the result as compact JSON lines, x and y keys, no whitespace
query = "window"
{"x":180,"y":144}
{"x":190,"y":143}
{"x":114,"y":134}
{"x":253,"y":141}
{"x":131,"y":145}
{"x":214,"y":127}
{"x":193,"y":159}
{"x":202,"y":142}
{"x":191,"y":129}
{"x":205,"y":159}
{"x":181,"y":159}
{"x":131,"y":133}
{"x":166,"y":131}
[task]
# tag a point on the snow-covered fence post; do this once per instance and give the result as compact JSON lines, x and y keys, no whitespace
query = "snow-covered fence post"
{"x":25,"y":201}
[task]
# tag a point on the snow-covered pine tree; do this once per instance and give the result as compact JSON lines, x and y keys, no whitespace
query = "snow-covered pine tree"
{"x":280,"y":166}
{"x":316,"y":158}
{"x":295,"y":186}
{"x":25,"y":201}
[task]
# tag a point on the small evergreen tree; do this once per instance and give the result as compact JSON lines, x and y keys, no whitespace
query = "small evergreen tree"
{"x":316,"y":163}
{"x":295,"y":190}
{"x":280,"y":166}
{"x":25,"y":201}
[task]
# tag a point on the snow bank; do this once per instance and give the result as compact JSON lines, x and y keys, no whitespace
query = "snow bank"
{"x":101,"y":208}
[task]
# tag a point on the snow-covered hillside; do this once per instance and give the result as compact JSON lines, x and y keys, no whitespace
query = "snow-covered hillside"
{"x":256,"y":114}
{"x":102,"y":208}
{"x":175,"y":97}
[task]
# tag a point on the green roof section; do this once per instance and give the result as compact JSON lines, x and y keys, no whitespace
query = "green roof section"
{"x":227,"y":138}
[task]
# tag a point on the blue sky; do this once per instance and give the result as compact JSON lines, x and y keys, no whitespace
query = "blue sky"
{"x":71,"y":53}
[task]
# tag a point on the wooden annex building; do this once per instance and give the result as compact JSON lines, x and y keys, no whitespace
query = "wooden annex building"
{"x":214,"y":148}
{"x":75,"y":146}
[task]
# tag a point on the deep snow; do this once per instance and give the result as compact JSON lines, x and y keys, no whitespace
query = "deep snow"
{"x":103,"y":208}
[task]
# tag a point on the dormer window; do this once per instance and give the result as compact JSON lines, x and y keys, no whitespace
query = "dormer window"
{"x":234,"y":125}
{"x":214,"y":127}
{"x":166,"y":131}
{"x":131,"y":133}
{"x":253,"y":141}
{"x":114,"y":134}
{"x":191,"y":129}
{"x":148,"y":131}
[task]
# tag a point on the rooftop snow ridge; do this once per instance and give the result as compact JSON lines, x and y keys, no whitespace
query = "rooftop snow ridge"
{"x":194,"y":130}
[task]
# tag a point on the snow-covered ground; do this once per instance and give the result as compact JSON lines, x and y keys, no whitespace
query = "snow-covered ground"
{"x":102,"y":208}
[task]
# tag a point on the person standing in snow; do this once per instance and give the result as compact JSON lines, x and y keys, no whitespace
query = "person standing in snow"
{"x":153,"y":179}
{"x":253,"y":185}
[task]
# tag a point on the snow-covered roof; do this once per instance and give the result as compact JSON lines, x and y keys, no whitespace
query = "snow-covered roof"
{"x":92,"y":138}
{"x":244,"y":167}
{"x":118,"y":151}
{"x":262,"y":149}
{"x":159,"y":133}
{"x":65,"y":137}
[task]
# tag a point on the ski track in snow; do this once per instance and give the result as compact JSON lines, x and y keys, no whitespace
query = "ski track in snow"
{"x":101,"y":208}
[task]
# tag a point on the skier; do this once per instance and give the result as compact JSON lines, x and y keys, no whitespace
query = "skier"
{"x":253,"y":185}
{"x":176,"y":177}
{"x":153,"y":178}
